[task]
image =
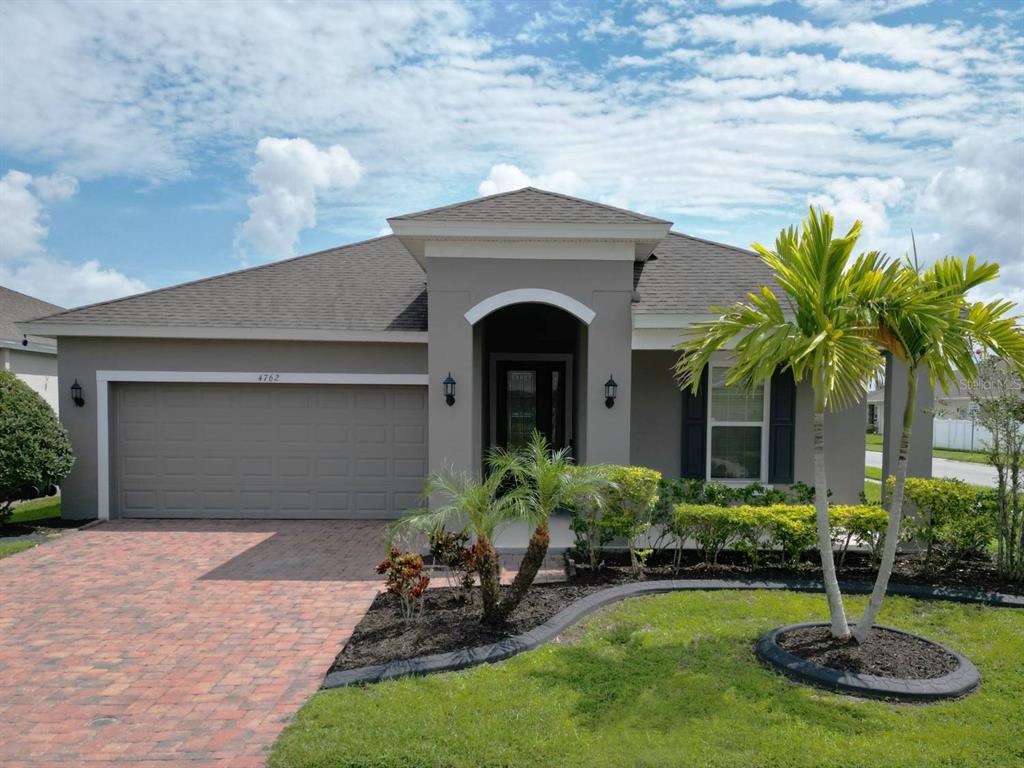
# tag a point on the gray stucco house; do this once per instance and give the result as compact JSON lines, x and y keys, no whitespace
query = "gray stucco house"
{"x":33,"y":359}
{"x":328,"y":385}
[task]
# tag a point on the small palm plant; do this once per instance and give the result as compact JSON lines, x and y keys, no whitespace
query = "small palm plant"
{"x":547,"y":480}
{"x":482,"y":505}
{"x":925,"y":320}
{"x":815,"y":335}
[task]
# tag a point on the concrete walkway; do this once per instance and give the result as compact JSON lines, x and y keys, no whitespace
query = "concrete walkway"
{"x":976,"y":474}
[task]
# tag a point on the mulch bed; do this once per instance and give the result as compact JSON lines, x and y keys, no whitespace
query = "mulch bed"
{"x":451,"y":619}
{"x":886,"y":653}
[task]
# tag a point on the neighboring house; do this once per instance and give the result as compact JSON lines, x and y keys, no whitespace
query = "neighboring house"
{"x":951,"y":404}
{"x":328,"y":385}
{"x":33,"y":359}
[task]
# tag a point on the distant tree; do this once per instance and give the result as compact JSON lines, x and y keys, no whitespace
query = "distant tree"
{"x":998,"y":395}
{"x":35,"y":453}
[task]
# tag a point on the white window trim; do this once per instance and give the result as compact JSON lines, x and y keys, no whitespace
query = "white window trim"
{"x":263,"y":378}
{"x":764,"y":424}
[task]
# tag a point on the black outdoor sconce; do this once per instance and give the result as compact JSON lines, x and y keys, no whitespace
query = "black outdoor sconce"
{"x":610,"y":388}
{"x":76,"y":394}
{"x":449,"y":389}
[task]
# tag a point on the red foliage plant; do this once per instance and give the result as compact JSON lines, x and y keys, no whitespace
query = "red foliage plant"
{"x":404,"y":577}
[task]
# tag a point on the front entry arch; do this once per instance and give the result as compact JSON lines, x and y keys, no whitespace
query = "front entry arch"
{"x":577,"y":309}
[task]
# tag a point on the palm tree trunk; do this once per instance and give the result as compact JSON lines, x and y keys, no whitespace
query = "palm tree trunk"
{"x":840,"y":629}
{"x":487,"y":568}
{"x":536,"y":551}
{"x":892,"y":531}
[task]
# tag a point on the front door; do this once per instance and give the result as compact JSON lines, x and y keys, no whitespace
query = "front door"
{"x":530,"y":395}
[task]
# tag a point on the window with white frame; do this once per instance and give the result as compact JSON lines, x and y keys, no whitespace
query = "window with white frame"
{"x":737,"y":430}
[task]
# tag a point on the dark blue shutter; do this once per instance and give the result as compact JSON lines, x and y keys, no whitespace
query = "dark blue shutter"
{"x":695,"y":430}
{"x":781,"y":428}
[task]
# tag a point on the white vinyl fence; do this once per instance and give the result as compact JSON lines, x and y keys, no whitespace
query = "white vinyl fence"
{"x":959,"y":434}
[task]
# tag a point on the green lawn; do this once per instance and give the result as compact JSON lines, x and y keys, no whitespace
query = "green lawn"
{"x":874,"y":443}
{"x":14,"y":547}
{"x":873,"y":491}
{"x":673,"y":681}
{"x":35,"y":511}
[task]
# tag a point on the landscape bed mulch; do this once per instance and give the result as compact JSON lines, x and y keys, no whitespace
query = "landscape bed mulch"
{"x":450,"y":619}
{"x":886,"y":654}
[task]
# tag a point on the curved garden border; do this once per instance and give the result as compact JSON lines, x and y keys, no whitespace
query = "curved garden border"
{"x":486,"y":654}
{"x":961,"y":681}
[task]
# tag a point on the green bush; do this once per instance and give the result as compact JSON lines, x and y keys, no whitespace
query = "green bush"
{"x":865,"y":523}
{"x":623,"y":509}
{"x":630,"y":498}
{"x":787,"y":528}
{"x":950,"y":518}
{"x":35,"y":453}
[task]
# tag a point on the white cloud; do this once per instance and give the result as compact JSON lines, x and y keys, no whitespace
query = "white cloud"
{"x":866,"y":199}
{"x":69,"y":285}
{"x":505,"y":177}
{"x":978,"y":199}
{"x":859,"y":9}
{"x":25,"y":264}
{"x":22,"y":213}
{"x":290,"y":174}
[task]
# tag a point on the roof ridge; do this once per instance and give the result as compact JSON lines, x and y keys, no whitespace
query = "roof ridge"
{"x":607,"y":207}
{"x":538,"y":190}
{"x":461,"y":204}
{"x":744,"y":251}
{"x":208,"y":278}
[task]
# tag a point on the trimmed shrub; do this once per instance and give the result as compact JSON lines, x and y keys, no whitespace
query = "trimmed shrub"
{"x":865,"y":523}
{"x":623,"y":509}
{"x":787,"y":528}
{"x":35,"y":453}
{"x":629,"y":502}
{"x":950,"y":518}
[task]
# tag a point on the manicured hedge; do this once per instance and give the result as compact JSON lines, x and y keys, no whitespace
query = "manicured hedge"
{"x":951,"y":519}
{"x":786,"y":528}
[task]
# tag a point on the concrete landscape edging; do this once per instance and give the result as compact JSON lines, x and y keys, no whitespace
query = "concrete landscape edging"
{"x":487,"y":654}
{"x":961,"y":681}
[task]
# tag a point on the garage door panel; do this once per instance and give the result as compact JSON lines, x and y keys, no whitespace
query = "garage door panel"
{"x":228,"y":450}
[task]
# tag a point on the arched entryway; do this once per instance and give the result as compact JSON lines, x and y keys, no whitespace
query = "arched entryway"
{"x":531,"y":360}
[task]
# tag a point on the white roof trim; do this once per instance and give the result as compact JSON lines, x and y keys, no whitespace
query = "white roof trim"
{"x":44,"y":328}
{"x":670,"y":320}
{"x":531,"y":296}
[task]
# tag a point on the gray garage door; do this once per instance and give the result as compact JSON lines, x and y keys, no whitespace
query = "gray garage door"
{"x":267,"y":451}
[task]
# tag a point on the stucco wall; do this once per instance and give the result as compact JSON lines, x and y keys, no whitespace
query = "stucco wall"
{"x":657,"y":413}
{"x":844,"y":446}
{"x":81,"y":357}
{"x":36,"y":369}
{"x":456,"y":283}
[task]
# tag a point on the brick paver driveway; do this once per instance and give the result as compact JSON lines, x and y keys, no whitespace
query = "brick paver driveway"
{"x":173,"y":643}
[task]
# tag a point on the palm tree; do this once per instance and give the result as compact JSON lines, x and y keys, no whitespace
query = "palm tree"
{"x":482,"y":505}
{"x":817,"y":335}
{"x":548,"y":481}
{"x":925,"y":321}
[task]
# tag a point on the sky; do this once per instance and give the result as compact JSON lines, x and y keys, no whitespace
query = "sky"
{"x":147,"y":144}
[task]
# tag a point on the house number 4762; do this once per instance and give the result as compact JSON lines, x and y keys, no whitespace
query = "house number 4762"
{"x":269,"y":378}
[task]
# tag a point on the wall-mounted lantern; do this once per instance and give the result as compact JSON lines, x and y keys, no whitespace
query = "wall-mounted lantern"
{"x":610,"y":389}
{"x":449,"y":389}
{"x":76,"y":394}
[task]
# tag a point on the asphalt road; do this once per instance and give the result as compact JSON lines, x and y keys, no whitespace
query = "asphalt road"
{"x":976,"y":474}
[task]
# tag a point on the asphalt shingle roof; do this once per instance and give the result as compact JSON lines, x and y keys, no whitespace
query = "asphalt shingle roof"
{"x":15,"y":306}
{"x":370,"y":286}
{"x":534,"y":206}
{"x":690,"y":275}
